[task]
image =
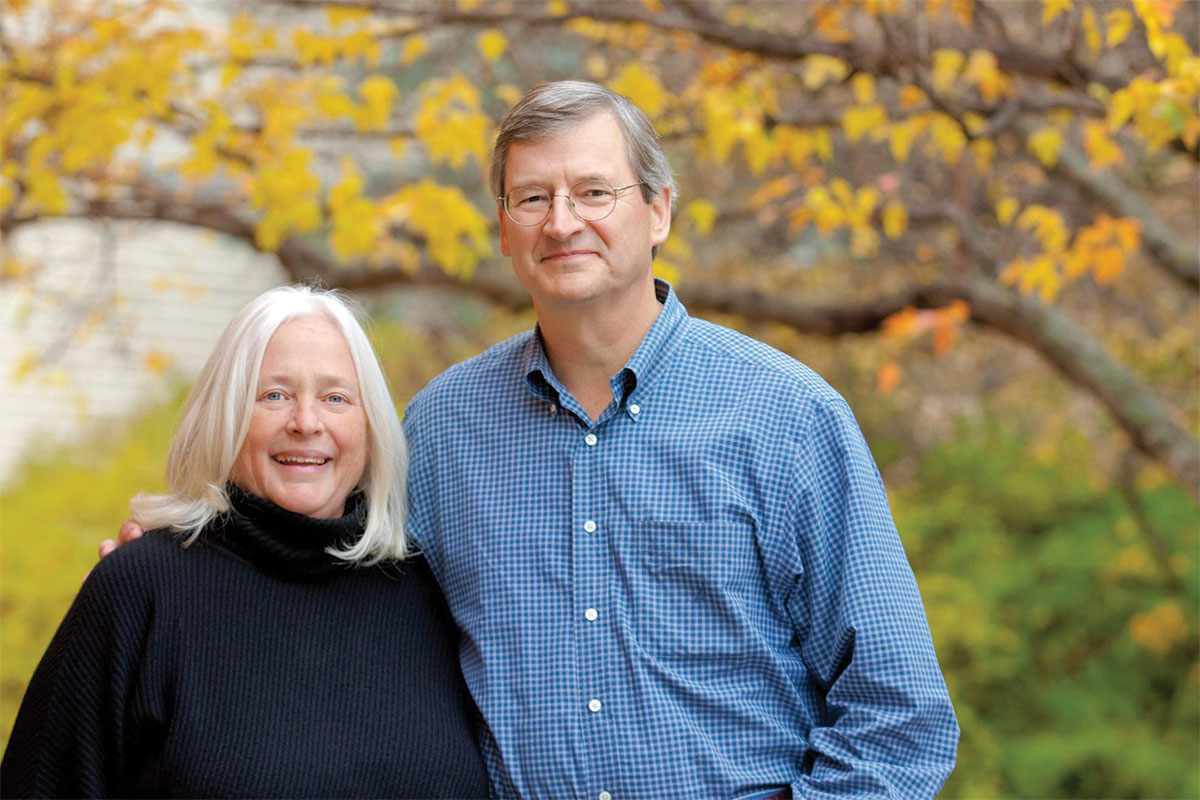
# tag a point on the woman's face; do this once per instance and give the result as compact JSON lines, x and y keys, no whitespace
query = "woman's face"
{"x":307,"y":445}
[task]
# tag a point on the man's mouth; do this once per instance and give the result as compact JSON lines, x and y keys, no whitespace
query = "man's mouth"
{"x":566,"y":254}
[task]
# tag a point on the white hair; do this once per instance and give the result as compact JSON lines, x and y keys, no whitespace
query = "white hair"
{"x":216,"y":418}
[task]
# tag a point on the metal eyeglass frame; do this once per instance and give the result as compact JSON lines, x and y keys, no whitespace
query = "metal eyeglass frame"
{"x":616,"y":190}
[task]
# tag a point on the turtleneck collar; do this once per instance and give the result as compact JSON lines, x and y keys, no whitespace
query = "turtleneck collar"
{"x":283,"y":543}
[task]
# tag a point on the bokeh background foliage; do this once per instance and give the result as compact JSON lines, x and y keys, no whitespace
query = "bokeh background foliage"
{"x":976,"y":218}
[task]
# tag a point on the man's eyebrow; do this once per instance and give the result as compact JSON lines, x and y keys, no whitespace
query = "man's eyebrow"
{"x":591,"y":176}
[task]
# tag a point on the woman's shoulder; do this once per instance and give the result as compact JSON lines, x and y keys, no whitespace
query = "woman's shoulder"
{"x":155,"y":560}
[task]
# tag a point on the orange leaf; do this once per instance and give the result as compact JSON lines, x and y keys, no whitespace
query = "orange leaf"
{"x":888,"y":377}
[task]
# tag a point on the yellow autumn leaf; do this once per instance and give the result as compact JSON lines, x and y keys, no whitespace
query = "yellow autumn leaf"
{"x":456,"y":233}
{"x":983,"y":71}
{"x":946,"y":137}
{"x":703,"y":214}
{"x":1091,"y":31}
{"x":1051,"y":9}
{"x":1124,"y":103}
{"x":976,"y":123}
{"x":335,"y":104}
{"x":757,"y":147}
{"x":984,"y":151}
{"x":1047,"y":225}
{"x":858,"y":120}
{"x":1037,"y":276}
{"x":380,"y":94}
{"x":822,"y":69}
{"x":414,"y":48}
{"x":354,"y":229}
{"x":1101,"y":150}
{"x":895,"y":220}
{"x":349,"y":188}
{"x":491,"y":45}
{"x":946,"y":65}
{"x":642,"y":87}
{"x":450,"y":124}
{"x":1006,"y":209}
{"x":558,"y":8}
{"x":900,"y":138}
{"x":1118,"y":23}
{"x":1044,"y":144}
{"x":340,"y":15}
{"x":863,"y":86}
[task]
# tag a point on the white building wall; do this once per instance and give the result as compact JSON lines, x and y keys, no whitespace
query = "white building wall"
{"x":179,"y":287}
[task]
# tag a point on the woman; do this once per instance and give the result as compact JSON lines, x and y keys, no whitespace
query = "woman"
{"x":265,"y":640}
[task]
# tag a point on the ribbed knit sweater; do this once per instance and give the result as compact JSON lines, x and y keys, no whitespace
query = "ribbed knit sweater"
{"x":251,"y":664}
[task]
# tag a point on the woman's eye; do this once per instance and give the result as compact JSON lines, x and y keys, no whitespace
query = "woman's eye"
{"x":273,"y":396}
{"x":337,"y":398}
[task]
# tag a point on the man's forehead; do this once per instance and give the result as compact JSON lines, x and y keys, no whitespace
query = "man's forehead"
{"x":583,"y":146}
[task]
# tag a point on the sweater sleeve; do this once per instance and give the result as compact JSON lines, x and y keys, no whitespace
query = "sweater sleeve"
{"x":89,"y":706}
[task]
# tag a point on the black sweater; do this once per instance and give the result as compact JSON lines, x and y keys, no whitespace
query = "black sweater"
{"x":251,"y":664}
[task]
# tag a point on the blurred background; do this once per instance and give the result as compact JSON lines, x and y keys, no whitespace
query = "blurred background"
{"x":978,"y":220}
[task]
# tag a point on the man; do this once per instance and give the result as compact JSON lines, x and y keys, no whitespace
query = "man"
{"x":667,"y":545}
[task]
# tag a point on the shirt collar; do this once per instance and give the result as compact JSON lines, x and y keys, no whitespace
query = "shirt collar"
{"x":640,"y":370}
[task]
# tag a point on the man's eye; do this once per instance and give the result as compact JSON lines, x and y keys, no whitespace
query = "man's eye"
{"x":531,"y":199}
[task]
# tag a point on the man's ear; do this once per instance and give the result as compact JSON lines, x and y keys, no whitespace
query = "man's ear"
{"x":660,"y":221}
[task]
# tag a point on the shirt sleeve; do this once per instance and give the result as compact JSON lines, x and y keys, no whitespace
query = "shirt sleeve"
{"x":76,"y":725}
{"x":888,"y":727}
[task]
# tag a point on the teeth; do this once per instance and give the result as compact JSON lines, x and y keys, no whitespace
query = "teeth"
{"x":299,"y":460}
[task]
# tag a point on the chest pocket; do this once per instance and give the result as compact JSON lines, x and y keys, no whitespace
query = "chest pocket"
{"x":700,"y":578}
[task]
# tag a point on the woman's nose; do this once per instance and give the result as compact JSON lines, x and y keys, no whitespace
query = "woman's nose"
{"x":306,"y":418}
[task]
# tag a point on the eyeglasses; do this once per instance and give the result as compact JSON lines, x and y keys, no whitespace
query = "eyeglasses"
{"x":590,"y":200}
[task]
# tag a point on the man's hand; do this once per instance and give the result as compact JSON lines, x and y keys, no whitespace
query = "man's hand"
{"x":130,"y":530}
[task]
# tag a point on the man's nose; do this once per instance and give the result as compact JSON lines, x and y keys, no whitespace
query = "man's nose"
{"x":561,"y":223}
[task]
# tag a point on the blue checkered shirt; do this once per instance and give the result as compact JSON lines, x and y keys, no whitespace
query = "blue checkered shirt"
{"x":699,"y":594}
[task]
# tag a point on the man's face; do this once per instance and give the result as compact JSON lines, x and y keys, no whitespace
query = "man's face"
{"x":565,"y":260}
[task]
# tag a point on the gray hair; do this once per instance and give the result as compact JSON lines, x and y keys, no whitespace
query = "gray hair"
{"x":216,"y":418}
{"x":552,"y":107}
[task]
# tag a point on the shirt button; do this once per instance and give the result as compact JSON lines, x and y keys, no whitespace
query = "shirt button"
{"x":591,"y":614}
{"x":635,"y":409}
{"x":553,"y":409}
{"x":589,"y":526}
{"x":590,"y":440}
{"x":604,"y":796}
{"x":594,"y":706}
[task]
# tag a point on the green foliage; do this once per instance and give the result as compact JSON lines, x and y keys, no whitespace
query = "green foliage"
{"x":51,"y":522}
{"x":1046,"y":604}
